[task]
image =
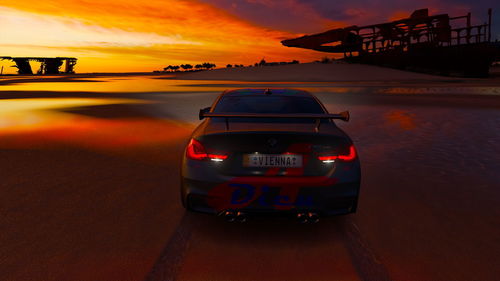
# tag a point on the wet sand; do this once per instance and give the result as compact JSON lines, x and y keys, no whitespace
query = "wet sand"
{"x":90,"y":189}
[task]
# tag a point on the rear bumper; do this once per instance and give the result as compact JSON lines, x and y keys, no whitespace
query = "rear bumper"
{"x":272,"y":198}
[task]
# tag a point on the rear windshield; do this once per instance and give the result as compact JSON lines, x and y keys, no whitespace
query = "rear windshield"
{"x":268,"y":104}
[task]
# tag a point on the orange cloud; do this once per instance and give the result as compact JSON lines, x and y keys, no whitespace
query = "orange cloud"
{"x":130,"y":35}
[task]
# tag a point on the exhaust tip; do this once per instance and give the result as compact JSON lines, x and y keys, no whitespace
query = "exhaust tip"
{"x":233,"y":216}
{"x":313,"y":217}
{"x":302,"y":217}
{"x":309,"y":217}
{"x":229,"y":216}
{"x":241,"y":217}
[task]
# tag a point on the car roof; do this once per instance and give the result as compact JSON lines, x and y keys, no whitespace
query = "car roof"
{"x":274,"y":92}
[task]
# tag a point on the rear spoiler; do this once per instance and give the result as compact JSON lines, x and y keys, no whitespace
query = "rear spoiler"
{"x":344,"y":116}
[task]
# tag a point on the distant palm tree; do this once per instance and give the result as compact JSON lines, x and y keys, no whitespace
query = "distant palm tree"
{"x":229,"y":65}
{"x":198,"y":66}
{"x":168,"y":68}
{"x":209,"y":65}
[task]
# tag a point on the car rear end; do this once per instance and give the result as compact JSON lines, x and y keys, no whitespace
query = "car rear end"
{"x":277,"y":166}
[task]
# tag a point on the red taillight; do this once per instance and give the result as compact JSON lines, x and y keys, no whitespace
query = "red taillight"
{"x":196,"y":151}
{"x":331,"y":158}
{"x":217,"y":156}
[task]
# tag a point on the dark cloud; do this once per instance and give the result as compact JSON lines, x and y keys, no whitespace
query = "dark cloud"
{"x":285,"y":15}
{"x":306,"y":16}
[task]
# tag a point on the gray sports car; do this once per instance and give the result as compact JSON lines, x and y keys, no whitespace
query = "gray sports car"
{"x":270,"y":151}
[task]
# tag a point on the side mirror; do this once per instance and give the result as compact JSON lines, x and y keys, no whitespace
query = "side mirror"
{"x":201,"y":115}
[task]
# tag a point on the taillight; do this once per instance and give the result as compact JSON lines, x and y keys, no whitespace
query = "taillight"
{"x":217,"y":157}
{"x":196,"y":151}
{"x":331,"y":158}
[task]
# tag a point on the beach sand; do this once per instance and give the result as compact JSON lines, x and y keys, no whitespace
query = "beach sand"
{"x":353,"y":74}
{"x":312,"y":72}
{"x":90,"y":180}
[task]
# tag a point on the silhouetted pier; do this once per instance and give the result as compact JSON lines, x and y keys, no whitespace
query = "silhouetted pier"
{"x":47,"y":65}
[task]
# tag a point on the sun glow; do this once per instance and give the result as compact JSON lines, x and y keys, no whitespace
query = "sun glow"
{"x":130,"y":35}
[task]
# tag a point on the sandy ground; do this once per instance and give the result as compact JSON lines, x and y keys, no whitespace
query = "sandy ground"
{"x":358,"y":74}
{"x":309,"y":72}
{"x":89,"y":191}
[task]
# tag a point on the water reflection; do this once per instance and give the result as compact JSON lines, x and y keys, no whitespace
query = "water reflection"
{"x":405,"y":120}
{"x":102,"y":118}
{"x":39,"y":123}
{"x":27,"y":114}
{"x":124,"y":84}
{"x":163,"y":83}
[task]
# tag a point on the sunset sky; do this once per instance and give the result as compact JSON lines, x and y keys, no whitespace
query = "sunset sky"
{"x":133,"y":35}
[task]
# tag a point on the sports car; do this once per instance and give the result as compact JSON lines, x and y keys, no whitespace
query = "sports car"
{"x":270,"y":152}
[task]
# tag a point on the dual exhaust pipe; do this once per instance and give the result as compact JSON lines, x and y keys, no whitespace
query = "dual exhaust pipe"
{"x":236,"y":216}
{"x":308,"y":217}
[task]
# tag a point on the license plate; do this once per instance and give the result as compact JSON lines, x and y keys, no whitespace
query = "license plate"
{"x":273,"y":160}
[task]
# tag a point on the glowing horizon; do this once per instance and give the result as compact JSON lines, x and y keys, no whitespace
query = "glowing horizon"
{"x":147,"y":40}
{"x":129,"y":35}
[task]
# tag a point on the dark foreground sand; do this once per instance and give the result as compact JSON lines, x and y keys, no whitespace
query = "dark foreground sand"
{"x":90,"y":192}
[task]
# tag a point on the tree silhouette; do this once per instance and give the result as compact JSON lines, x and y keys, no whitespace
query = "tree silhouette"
{"x":208,"y":65}
{"x":186,"y":66}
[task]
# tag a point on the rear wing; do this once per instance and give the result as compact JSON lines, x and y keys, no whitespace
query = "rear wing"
{"x":344,"y":116}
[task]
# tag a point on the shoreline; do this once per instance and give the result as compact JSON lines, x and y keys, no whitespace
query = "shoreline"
{"x":335,"y":74}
